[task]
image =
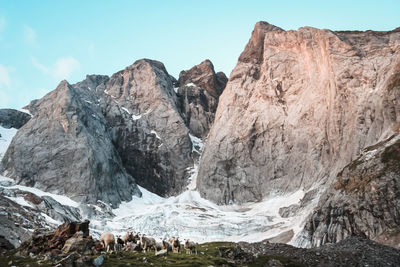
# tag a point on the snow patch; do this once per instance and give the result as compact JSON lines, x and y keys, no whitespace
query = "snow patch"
{"x":197,"y":143}
{"x":126,"y":110}
{"x":25,"y":111}
{"x":136,"y":117}
{"x":20,"y":201}
{"x":193,"y":177}
{"x":190,"y":84}
{"x":176,"y":89}
{"x":155,"y":133}
{"x":59,"y":198}
{"x":6,"y":135}
{"x":50,"y":220}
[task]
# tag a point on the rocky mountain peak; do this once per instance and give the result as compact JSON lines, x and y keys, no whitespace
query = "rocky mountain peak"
{"x":204,"y":76}
{"x":198,"y":94}
{"x":255,"y":47}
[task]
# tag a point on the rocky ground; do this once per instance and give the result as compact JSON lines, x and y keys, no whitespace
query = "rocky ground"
{"x":71,"y":245}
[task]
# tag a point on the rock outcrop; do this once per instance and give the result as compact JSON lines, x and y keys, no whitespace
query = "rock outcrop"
{"x":298,"y":107}
{"x":198,"y":94}
{"x":66,"y":148}
{"x":364,"y":199}
{"x":11,"y":118}
{"x":43,"y":241}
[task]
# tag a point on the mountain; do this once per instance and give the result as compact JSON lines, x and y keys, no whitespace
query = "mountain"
{"x":300,"y":145}
{"x":298,"y":107}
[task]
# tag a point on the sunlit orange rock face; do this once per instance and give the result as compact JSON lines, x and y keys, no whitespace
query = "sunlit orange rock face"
{"x":297,"y":108}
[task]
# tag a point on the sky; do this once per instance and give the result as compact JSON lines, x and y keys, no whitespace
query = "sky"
{"x":44,"y":42}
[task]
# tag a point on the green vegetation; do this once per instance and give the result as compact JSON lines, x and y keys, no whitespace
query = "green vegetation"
{"x":207,"y":254}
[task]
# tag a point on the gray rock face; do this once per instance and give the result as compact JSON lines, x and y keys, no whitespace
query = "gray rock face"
{"x":298,"y":107}
{"x":66,"y":148}
{"x":148,"y":131}
{"x":95,"y":139}
{"x":364,"y":200}
{"x":11,"y":118}
{"x":198,"y":94}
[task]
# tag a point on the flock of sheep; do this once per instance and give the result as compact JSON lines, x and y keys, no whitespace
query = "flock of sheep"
{"x":137,"y":242}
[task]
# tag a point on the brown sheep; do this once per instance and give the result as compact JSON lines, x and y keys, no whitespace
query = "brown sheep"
{"x":166,"y":245}
{"x":176,"y":245}
{"x":108,"y":241}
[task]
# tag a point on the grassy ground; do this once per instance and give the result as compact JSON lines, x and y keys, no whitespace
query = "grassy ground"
{"x":207,"y":254}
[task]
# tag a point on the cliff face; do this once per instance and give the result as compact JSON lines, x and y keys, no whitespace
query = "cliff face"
{"x":198,"y":95}
{"x":298,"y":107}
{"x":66,"y":148}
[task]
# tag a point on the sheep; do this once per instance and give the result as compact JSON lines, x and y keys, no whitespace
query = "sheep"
{"x":120,"y":243}
{"x":176,"y":245}
{"x":128,"y":237}
{"x":158,"y":246}
{"x":190,"y":247}
{"x":132,"y":246}
{"x":108,"y":241}
{"x":166,"y":245}
{"x":146,"y":243}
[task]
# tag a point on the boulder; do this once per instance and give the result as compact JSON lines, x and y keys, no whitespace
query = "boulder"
{"x":79,"y":244}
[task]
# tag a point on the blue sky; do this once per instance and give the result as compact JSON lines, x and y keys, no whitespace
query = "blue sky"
{"x":43,"y":42}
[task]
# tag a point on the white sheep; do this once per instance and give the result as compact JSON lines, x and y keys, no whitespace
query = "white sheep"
{"x":190,"y":247}
{"x":108,"y":241}
{"x":146,"y":243}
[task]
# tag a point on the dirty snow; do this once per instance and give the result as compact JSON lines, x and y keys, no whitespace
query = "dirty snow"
{"x":190,"y":216}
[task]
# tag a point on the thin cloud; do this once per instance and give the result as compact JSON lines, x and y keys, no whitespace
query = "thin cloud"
{"x":29,"y":35}
{"x":65,"y":66}
{"x":5,"y":80}
{"x":39,"y":66}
